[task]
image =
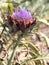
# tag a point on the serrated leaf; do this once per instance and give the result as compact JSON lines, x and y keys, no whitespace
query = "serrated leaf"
{"x":43,"y":35}
{"x":43,"y":21}
{"x":34,"y":49}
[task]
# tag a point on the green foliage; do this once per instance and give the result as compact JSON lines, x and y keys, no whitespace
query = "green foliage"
{"x":13,"y":41}
{"x":10,"y":8}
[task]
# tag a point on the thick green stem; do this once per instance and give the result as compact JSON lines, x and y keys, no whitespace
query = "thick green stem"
{"x":14,"y":49}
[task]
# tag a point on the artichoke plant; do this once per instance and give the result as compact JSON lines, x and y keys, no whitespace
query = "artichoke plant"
{"x":24,"y":32}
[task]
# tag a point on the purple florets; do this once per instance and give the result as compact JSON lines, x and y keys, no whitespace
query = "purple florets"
{"x":22,"y":15}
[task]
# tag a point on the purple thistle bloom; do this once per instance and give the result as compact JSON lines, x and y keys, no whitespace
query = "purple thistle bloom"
{"x":22,"y":15}
{"x":22,"y":18}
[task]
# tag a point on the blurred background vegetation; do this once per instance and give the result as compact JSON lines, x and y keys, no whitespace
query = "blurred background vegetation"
{"x":33,"y":48}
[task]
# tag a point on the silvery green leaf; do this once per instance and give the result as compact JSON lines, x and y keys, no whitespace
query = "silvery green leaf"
{"x":43,"y":21}
{"x":43,"y":35}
